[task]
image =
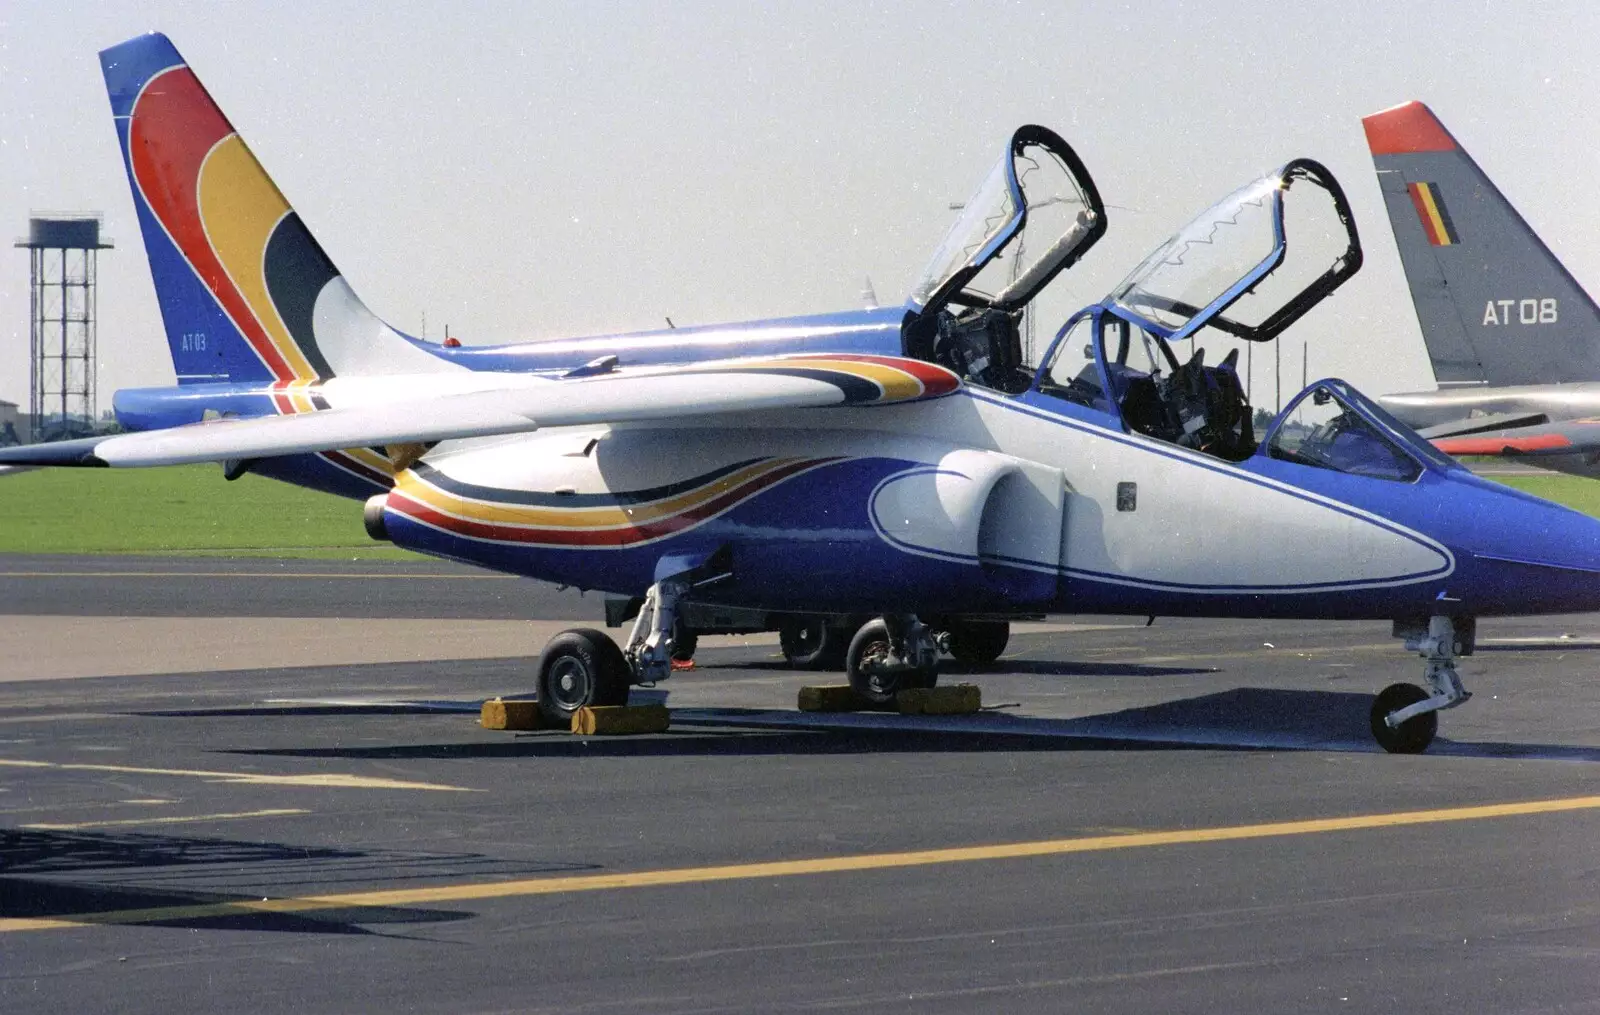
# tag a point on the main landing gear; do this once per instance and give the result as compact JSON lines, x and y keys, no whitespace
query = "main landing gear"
{"x":892,"y":654}
{"x":1405,"y":717}
{"x":583,"y":667}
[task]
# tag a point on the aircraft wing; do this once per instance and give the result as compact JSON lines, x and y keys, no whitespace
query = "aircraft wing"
{"x":1563,"y":437}
{"x":523,"y":403}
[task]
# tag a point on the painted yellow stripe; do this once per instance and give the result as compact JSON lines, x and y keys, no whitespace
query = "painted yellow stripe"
{"x":412,"y":485}
{"x":300,"y":390}
{"x":371,"y":459}
{"x":1435,"y":220}
{"x":281,"y":812}
{"x":897,"y":385}
{"x":328,"y":780}
{"x":793,"y":868}
{"x":240,"y":206}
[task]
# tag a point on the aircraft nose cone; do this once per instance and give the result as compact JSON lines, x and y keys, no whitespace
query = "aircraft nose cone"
{"x":1518,"y":554}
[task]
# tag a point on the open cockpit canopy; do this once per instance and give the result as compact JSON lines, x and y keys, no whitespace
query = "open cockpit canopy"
{"x":1232,"y":267}
{"x":1034,"y":215}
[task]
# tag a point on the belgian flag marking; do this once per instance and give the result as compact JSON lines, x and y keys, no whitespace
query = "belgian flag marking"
{"x":1435,"y":217}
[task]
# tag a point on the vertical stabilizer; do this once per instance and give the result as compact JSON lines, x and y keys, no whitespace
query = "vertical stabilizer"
{"x":246,"y":292}
{"x":1495,"y":305}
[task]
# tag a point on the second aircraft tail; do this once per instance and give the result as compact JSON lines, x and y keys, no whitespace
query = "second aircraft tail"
{"x":1495,"y":305}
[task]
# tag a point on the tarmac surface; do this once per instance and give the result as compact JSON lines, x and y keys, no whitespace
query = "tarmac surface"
{"x":259,"y":785}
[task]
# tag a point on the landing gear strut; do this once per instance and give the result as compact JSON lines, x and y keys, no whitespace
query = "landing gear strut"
{"x":1405,"y":717}
{"x":892,"y":654}
{"x":583,"y":667}
{"x":650,"y":644}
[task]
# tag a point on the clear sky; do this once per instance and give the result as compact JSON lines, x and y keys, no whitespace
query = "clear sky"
{"x":534,"y":170}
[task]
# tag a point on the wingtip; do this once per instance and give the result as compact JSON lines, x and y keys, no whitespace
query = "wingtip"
{"x":1406,"y":128}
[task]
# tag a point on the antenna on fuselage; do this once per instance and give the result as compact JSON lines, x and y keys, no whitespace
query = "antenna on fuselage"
{"x":869,"y":295}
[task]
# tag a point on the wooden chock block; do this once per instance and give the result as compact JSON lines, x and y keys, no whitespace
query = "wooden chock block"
{"x":611,"y":720}
{"x":831,"y":698}
{"x":499,"y":714}
{"x":954,"y":699}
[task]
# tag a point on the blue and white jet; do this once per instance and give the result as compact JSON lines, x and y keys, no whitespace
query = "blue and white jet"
{"x":906,"y":462}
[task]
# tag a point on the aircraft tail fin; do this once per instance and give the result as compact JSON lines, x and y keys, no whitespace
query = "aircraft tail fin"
{"x":246,"y":292}
{"x":1495,"y":305}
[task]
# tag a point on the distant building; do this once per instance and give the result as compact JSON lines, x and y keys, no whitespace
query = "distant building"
{"x":12,"y":429}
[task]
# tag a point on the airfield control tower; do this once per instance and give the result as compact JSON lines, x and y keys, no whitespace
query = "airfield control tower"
{"x":62,"y":299}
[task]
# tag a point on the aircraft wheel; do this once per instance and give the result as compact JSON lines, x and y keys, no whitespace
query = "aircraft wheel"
{"x":978,"y":641}
{"x":581,"y":667}
{"x":684,"y":641}
{"x":871,"y":674}
{"x":811,"y":643}
{"x":1412,"y":736}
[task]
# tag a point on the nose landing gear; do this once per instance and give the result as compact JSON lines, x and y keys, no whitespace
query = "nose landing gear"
{"x":1405,"y":717}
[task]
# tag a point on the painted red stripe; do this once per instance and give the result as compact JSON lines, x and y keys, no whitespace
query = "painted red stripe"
{"x":1423,"y":215}
{"x":174,"y":125}
{"x":936,"y":380}
{"x":1500,"y":445}
{"x":618,"y":537}
{"x":281,"y":399}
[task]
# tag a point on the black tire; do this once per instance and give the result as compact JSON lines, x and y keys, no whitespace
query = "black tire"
{"x":581,"y":667}
{"x":811,"y":643}
{"x":684,"y":641}
{"x":978,"y":642}
{"x":873,"y":682}
{"x":1412,"y":736}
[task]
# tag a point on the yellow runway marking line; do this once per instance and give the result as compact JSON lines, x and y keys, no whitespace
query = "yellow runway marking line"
{"x":255,"y":574}
{"x":792,"y":868}
{"x":330,"y":780}
{"x":282,"y":812}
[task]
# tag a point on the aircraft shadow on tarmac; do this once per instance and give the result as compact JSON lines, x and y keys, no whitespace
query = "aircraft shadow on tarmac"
{"x":77,"y":874}
{"x":1552,"y":646}
{"x":1038,"y":667}
{"x":1248,"y":718}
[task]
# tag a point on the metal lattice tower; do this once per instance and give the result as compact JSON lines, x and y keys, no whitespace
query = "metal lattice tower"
{"x":63,"y":253}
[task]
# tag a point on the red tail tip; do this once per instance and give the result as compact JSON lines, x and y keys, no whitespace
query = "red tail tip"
{"x":1408,"y":127}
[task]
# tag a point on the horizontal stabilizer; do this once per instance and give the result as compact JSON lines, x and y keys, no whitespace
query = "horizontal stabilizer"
{"x":1566,"y":437}
{"x":1483,"y":424}
{"x":523,"y":403}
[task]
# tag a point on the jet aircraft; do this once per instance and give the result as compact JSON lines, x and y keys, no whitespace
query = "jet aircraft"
{"x":904,"y":462}
{"x":1513,"y":338}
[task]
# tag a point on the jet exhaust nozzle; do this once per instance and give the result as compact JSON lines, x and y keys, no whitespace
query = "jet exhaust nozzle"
{"x":372,"y":517}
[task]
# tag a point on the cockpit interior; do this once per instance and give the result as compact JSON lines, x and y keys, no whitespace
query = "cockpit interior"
{"x":1224,"y":278}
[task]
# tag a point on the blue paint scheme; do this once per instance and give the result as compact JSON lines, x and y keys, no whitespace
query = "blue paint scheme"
{"x":128,"y":65}
{"x":206,"y":347}
{"x":317,"y":473}
{"x":810,"y":542}
{"x":875,"y":331}
{"x":1514,"y":553}
{"x":158,"y":408}
{"x":870,"y":332}
{"x":775,"y":537}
